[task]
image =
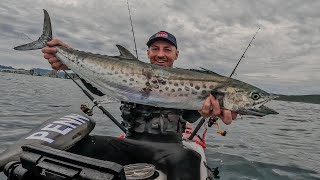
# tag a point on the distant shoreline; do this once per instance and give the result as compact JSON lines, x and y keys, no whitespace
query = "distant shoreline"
{"x":314,"y":99}
{"x":38,"y":72}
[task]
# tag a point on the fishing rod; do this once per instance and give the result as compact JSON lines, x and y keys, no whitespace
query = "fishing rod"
{"x":96,"y":103}
{"x":233,"y":71}
{"x":134,"y":38}
{"x":213,"y":120}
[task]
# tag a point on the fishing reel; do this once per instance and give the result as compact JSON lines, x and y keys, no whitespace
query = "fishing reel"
{"x":213,"y":121}
{"x":84,"y":108}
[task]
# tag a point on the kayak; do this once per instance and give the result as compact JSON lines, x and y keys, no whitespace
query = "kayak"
{"x":40,"y":154}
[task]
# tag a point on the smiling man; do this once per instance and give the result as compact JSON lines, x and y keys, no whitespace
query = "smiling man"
{"x":162,"y":49}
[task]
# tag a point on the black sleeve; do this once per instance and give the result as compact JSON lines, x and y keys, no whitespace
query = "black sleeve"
{"x":191,"y":115}
{"x":92,"y":89}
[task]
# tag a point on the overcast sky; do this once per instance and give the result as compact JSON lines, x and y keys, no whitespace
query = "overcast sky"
{"x":284,"y":57}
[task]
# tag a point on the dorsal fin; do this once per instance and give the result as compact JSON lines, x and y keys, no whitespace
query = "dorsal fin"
{"x":125,"y":53}
{"x":208,"y":71}
{"x":202,"y":70}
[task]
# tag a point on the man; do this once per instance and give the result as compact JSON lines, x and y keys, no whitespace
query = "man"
{"x":154,"y":133}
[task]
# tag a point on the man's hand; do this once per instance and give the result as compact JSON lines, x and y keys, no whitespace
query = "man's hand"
{"x":49,"y":54}
{"x":211,"y":107}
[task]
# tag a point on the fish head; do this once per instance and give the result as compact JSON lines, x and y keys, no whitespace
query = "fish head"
{"x":245,"y":99}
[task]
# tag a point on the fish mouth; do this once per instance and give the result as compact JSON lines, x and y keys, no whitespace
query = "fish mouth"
{"x":261,"y":109}
{"x":273,"y":96}
{"x":258,"y":111}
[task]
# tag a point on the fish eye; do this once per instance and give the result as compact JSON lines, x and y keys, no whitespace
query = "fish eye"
{"x":255,"y":96}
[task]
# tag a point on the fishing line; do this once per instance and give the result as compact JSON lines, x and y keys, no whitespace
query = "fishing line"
{"x":134,"y":38}
{"x":26,"y":36}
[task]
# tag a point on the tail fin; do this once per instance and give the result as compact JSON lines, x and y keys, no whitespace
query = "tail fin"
{"x":43,"y":39}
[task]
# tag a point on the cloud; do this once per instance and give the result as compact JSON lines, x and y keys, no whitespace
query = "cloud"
{"x":284,"y":57}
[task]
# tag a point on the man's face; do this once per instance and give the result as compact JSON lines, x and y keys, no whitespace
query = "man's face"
{"x":162,"y":53}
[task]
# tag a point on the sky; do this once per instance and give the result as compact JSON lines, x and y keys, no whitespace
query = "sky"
{"x":283,"y":58}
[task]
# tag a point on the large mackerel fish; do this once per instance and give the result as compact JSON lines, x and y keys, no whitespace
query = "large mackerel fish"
{"x":131,"y":80}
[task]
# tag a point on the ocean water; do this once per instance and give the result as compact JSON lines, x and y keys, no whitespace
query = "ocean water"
{"x":284,"y":146}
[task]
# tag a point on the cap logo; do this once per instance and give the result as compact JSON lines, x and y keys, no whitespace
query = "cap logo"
{"x":162,"y":34}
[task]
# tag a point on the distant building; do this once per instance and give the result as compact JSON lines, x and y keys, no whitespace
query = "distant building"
{"x":31,"y":72}
{"x":38,"y":72}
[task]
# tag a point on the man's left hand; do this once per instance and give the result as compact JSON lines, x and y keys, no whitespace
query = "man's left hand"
{"x":211,"y":107}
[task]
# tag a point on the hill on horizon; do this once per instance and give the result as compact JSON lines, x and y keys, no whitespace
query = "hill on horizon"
{"x":314,"y":98}
{"x":6,"y":67}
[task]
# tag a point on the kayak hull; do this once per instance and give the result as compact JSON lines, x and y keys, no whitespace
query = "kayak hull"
{"x":60,"y":133}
